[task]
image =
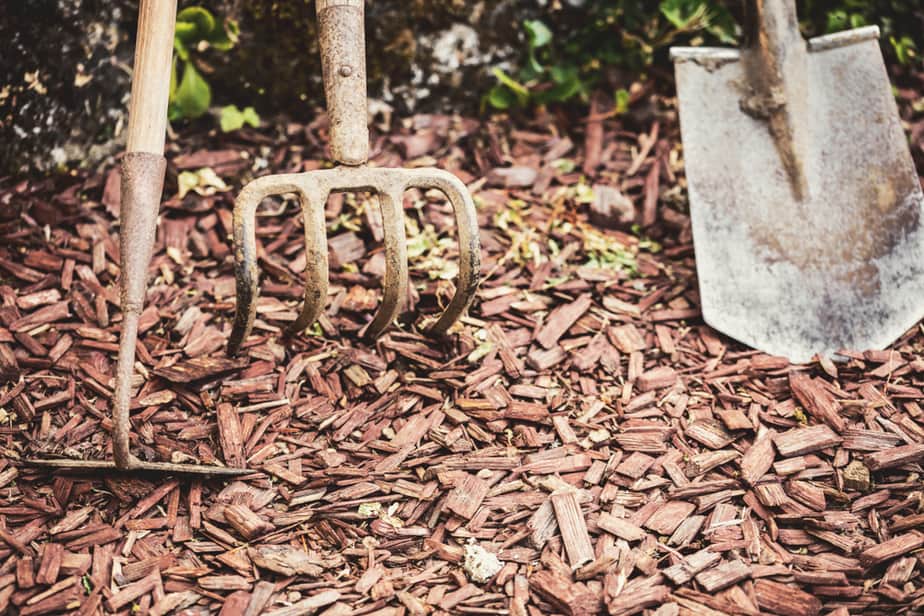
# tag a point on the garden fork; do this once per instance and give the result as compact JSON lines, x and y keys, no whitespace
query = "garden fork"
{"x":343,"y":60}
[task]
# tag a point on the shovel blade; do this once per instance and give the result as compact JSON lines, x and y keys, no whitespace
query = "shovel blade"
{"x":841,"y":268}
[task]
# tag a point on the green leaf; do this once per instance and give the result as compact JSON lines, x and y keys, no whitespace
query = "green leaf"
{"x":180,"y":48}
{"x":673,"y":11}
{"x":564,"y":91}
{"x":563,"y":74}
{"x":836,"y":21}
{"x":622,"y":100}
{"x":501,"y":98}
{"x":685,"y":14}
{"x":203,"y":182}
{"x":232,"y":118}
{"x":186,"y":181}
{"x":172,"y":80}
{"x":251,"y":118}
{"x":194,"y":24}
{"x":519,"y":90}
{"x":225,"y":37}
{"x":533,"y":69}
{"x":537,"y":33}
{"x":904,"y":48}
{"x":568,"y":84}
{"x":193,"y":96}
{"x":185,"y":31}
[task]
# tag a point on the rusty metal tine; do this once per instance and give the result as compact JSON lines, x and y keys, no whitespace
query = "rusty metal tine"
{"x":246,"y":274}
{"x":312,"y":201}
{"x":342,"y":44}
{"x":469,"y":243}
{"x":391,"y":200}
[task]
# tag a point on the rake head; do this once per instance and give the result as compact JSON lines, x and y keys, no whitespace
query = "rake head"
{"x":313,"y":189}
{"x":142,"y":184}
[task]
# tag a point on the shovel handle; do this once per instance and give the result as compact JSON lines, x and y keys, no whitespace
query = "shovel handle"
{"x":774,"y":61}
{"x":343,"y":61}
{"x":770,"y":26}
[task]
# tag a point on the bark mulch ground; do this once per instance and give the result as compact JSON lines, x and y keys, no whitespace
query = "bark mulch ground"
{"x":581,"y":443}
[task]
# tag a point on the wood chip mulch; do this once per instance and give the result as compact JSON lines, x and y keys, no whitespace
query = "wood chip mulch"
{"x":582,"y":443}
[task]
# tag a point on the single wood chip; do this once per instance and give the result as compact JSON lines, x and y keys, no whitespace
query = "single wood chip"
{"x":620,"y":527}
{"x":902,"y":545}
{"x":573,"y":599}
{"x":898,"y":456}
{"x":800,"y":441}
{"x":230,"y":435}
{"x":785,"y":600}
{"x":724,"y":575}
{"x":758,"y":459}
{"x":561,"y":319}
{"x":573,"y":528}
{"x":668,"y":517}
{"x":466,"y":497}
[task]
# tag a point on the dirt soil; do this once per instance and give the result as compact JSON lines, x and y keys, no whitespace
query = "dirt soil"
{"x":581,"y":443}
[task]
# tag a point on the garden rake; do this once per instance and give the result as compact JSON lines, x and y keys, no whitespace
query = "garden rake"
{"x":143,"y":167}
{"x":343,"y":60}
{"x":805,"y":205}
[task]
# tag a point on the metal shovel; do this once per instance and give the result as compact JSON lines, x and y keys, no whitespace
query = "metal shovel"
{"x":343,"y":60}
{"x":805,"y":205}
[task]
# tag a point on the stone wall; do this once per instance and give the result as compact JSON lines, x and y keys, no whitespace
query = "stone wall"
{"x":65,"y":80}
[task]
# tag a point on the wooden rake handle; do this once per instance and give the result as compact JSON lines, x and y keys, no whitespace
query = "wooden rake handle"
{"x":343,"y":61}
{"x":147,"y":115}
{"x":143,"y":169}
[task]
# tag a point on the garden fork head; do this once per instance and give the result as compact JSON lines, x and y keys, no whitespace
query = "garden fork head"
{"x":344,"y":66}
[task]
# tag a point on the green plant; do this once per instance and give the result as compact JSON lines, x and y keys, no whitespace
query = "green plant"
{"x":575,"y":48}
{"x":568,"y":63}
{"x":232,"y":118}
{"x":196,"y":31}
{"x":901,"y":22}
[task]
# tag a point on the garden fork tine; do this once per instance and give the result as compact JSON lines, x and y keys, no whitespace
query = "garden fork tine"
{"x":343,"y":62}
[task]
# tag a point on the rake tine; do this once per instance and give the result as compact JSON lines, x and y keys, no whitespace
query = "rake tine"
{"x":245,"y":253}
{"x":396,"y":276}
{"x":469,"y":244}
{"x":316,"y":265}
{"x":68,"y":465}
